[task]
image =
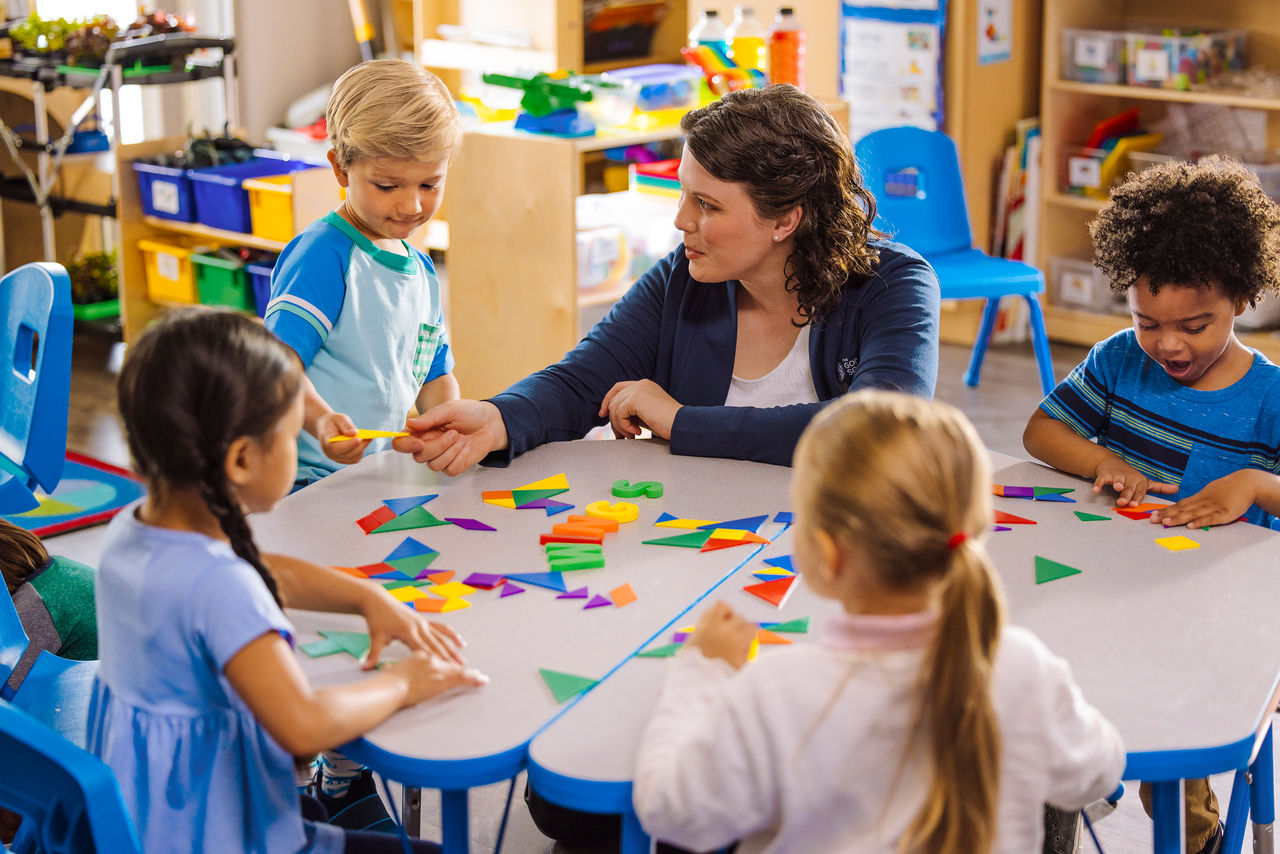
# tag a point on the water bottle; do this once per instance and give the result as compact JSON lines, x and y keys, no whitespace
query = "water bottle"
{"x":747,"y":40}
{"x":709,"y":30}
{"x":786,"y":49}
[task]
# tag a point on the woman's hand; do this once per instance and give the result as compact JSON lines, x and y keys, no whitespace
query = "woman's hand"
{"x":637,"y":404}
{"x":721,"y":633}
{"x":1221,"y":502}
{"x":389,"y":620}
{"x":454,"y":436}
{"x":1132,"y":484}
{"x":333,"y":424}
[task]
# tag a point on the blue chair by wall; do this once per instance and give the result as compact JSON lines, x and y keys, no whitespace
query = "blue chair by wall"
{"x":35,"y":381}
{"x":69,"y":800}
{"x":914,"y":175}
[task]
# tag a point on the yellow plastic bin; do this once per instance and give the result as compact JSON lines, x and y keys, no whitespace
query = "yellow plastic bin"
{"x":271,"y":207}
{"x":170,"y":277}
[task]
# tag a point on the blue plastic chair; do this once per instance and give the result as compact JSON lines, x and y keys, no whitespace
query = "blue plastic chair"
{"x":68,"y":799}
{"x":914,"y":175}
{"x":35,"y":382}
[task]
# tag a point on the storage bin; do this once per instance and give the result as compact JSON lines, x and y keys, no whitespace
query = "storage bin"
{"x":1176,"y":59}
{"x":271,"y":207}
{"x":1076,"y":283}
{"x":603,"y":257}
{"x":260,"y":282}
{"x":165,"y":191}
{"x":168,"y":272}
{"x":1264,"y":164}
{"x":220,"y":198}
{"x":1093,"y":56}
{"x":612,"y":103}
{"x":222,"y":281}
{"x":1082,"y":170}
{"x":662,"y":86}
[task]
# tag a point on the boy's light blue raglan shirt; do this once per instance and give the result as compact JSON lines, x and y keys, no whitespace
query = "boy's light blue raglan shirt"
{"x":368,"y":325}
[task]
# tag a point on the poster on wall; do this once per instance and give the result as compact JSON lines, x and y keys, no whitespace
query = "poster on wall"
{"x":890,"y":64}
{"x":995,"y":31}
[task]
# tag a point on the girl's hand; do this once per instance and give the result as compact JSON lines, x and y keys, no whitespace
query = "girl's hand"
{"x":333,"y":424}
{"x":1221,"y":502}
{"x":721,"y":633}
{"x":637,"y":404}
{"x":1132,"y":484}
{"x":390,"y":620}
{"x":428,"y":676}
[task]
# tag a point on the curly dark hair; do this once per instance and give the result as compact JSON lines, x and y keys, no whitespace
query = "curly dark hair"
{"x":1191,"y":224}
{"x":787,"y":150}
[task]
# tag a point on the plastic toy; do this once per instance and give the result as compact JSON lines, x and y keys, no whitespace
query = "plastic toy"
{"x":549,"y":103}
{"x":722,"y":73}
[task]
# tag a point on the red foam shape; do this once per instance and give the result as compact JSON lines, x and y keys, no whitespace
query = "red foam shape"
{"x":774,"y":592}
{"x":1135,"y":514}
{"x":376,"y":519}
{"x":566,"y":538}
{"x":1003,"y":518}
{"x":712,"y":544}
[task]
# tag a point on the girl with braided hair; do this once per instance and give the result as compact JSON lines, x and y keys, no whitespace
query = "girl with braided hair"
{"x":200,"y":702}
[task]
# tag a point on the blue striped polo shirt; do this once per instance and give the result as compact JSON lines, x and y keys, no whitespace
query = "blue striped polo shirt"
{"x":1169,"y":432}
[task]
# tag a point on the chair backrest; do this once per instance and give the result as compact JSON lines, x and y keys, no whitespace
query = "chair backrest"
{"x":35,"y":371}
{"x":914,"y":175}
{"x":57,"y":692}
{"x":13,"y":641}
{"x":68,"y":798}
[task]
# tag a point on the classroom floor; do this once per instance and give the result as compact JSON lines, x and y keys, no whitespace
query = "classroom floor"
{"x":998,"y":407}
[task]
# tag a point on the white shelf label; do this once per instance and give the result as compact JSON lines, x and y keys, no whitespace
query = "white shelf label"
{"x":164,"y":197}
{"x":1091,"y":52}
{"x":1151,"y":65}
{"x":167,"y":266}
{"x":1084,"y":172}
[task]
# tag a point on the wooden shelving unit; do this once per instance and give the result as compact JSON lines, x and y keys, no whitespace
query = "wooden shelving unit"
{"x":1070,"y":109}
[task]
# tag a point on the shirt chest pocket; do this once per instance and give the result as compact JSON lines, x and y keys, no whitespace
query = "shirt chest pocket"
{"x":430,"y":336}
{"x":1208,"y":463}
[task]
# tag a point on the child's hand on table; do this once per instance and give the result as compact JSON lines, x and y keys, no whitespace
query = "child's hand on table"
{"x":1131,"y":484}
{"x":721,"y":633}
{"x":1221,"y":502}
{"x":429,"y":676}
{"x":389,"y":620}
{"x":338,"y":424}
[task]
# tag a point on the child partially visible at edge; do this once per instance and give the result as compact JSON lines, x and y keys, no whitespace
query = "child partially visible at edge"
{"x":202,"y":704}
{"x":1177,"y":406}
{"x":360,"y":306}
{"x":920,"y":723}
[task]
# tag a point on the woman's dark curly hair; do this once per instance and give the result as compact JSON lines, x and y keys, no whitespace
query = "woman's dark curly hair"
{"x":787,"y":150}
{"x":1191,"y":224}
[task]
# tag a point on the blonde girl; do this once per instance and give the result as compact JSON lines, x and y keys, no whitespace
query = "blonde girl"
{"x":920,"y":723}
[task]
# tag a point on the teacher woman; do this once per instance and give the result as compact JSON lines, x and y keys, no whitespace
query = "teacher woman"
{"x":780,"y":299}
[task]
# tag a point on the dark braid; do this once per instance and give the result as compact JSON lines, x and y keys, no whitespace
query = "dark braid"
{"x":192,"y":384}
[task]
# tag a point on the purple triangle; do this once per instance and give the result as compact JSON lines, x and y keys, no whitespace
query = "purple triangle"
{"x":580,"y":593}
{"x":509,"y":589}
{"x":598,"y":602}
{"x":471,"y":524}
{"x":679,"y":637}
{"x":485,"y":580}
{"x":1001,"y":528}
{"x":538,"y":504}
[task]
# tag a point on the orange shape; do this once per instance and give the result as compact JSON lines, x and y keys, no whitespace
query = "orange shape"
{"x":766,"y":636}
{"x":773,"y":592}
{"x":495,"y":495}
{"x":605,"y":526}
{"x":358,"y":573}
{"x":431,"y":606}
{"x":623,"y":595}
{"x":1003,"y":518}
{"x":1147,"y":508}
{"x":441,"y":577}
{"x":712,"y":544}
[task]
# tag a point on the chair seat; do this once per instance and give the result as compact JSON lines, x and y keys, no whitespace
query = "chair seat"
{"x":973,"y":274}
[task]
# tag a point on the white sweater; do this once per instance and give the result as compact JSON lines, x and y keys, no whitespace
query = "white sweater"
{"x":798,"y":751}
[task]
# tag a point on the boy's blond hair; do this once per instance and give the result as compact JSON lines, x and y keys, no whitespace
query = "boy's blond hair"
{"x":391,"y":108}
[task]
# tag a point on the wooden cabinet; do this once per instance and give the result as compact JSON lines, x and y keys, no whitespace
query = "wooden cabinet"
{"x":1070,"y":109}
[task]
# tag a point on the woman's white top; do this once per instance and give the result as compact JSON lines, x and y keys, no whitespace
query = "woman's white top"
{"x":790,"y":382}
{"x":798,"y":752}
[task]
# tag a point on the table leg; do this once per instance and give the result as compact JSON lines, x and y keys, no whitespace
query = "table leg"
{"x":634,"y":839}
{"x":1237,"y":813}
{"x":411,"y":810}
{"x":1167,"y":816}
{"x":455,"y":826}
{"x":1262,"y":798}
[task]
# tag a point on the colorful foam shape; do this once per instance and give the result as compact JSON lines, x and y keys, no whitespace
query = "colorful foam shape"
{"x":618,"y":511}
{"x":771,"y":574}
{"x":322,"y":647}
{"x":404,"y":505}
{"x":690,"y":524}
{"x":510,"y":589}
{"x":549,"y":580}
{"x":553,"y":507}
{"x":483,"y":580}
{"x":352,"y":570}
{"x":407,"y":593}
{"x":680,"y":636}
{"x":453,"y":589}
{"x":999,"y":528}
{"x":1051,"y":570}
{"x":597,"y":601}
{"x":1062,"y":499}
{"x":373,"y":570}
{"x":569,"y":557}
{"x":376,"y":519}
{"x":565,"y":686}
{"x":1017,"y":492}
{"x":691,"y":540}
{"x":784,"y":517}
{"x":623,"y":595}
{"x":414,"y":565}
{"x":564,"y":539}
{"x":799,"y":626}
{"x":1090,"y":517}
{"x":418,"y":517}
{"x":1178,"y":543}
{"x":409,"y":547}
{"x":441,"y":577}
{"x":664,"y":517}
{"x":363,"y":433}
{"x":558,"y":481}
{"x":432,"y":606}
{"x":1134,"y":514}
{"x":500,"y":497}
{"x":751,"y":524}
{"x":1042,"y":491}
{"x":1003,"y":518}
{"x":355,"y":644}
{"x":469,"y":524}
{"x":773,"y":592}
{"x":783,"y":562}
{"x":528,"y":497}
{"x":580,"y":593}
{"x":767,"y":636}
{"x":665,"y":651}
{"x":626,"y":489}
{"x":714,"y":543}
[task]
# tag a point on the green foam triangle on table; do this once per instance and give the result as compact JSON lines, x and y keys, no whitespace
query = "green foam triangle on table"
{"x":1090,"y":517}
{"x":1037,"y":491}
{"x":418,"y":517}
{"x":355,"y":644}
{"x":526,"y":496}
{"x":665,"y":651}
{"x":691,"y":540}
{"x":413,"y":564}
{"x":800,"y":626}
{"x":565,"y":686}
{"x":1051,"y":570}
{"x":322,"y":647}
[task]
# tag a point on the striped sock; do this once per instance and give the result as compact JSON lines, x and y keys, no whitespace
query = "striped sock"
{"x":336,"y":773}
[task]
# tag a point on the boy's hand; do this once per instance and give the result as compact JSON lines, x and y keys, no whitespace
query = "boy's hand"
{"x":428,"y":676}
{"x":721,"y":633}
{"x":338,"y":424}
{"x":388,"y":619}
{"x":1131,"y":484}
{"x":1221,"y":502}
{"x":454,"y":436}
{"x":636,"y":404}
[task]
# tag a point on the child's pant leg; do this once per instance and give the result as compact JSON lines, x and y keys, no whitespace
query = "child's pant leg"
{"x":1201,"y":813}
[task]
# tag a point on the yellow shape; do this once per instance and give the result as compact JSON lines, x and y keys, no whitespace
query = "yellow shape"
{"x":777,"y":570}
{"x":509,"y":503}
{"x":371,"y":434}
{"x":451,"y":589}
{"x":621,"y":511}
{"x":686,"y":628}
{"x":1177,"y":544}
{"x":407,"y":594}
{"x":728,"y":534}
{"x":558,"y":481}
{"x":754,"y":649}
{"x":455,"y":604}
{"x":685,"y":523}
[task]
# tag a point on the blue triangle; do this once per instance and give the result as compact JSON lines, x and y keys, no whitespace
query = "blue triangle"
{"x":409,"y":548}
{"x":783,"y":562}
{"x":400,"y":506}
{"x":549,"y":580}
{"x":783,"y":517}
{"x":1062,"y":498}
{"x":551,"y":511}
{"x":665,"y":517}
{"x":751,"y":524}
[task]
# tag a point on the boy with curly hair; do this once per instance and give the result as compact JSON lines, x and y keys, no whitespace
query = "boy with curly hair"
{"x":1177,"y":404}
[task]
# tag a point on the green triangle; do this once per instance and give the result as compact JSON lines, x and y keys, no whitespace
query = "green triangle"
{"x":413,"y":564}
{"x":799,"y":626}
{"x":355,"y":644}
{"x":1090,"y":517}
{"x":691,"y":540}
{"x":1051,"y":570}
{"x":660,"y":651}
{"x":396,"y":585}
{"x":1037,"y":491}
{"x":524,"y":496}
{"x":565,"y":685}
{"x":418,"y":517}
{"x":322,"y":647}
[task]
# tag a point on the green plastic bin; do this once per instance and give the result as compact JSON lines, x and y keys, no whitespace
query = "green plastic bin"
{"x":221,"y":281}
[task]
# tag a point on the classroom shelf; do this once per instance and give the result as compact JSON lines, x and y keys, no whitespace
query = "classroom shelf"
{"x":1143,"y":93}
{"x":214,"y":235}
{"x":1068,"y":200}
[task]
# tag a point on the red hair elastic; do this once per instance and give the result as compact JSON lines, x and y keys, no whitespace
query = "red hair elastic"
{"x":956,"y":539}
